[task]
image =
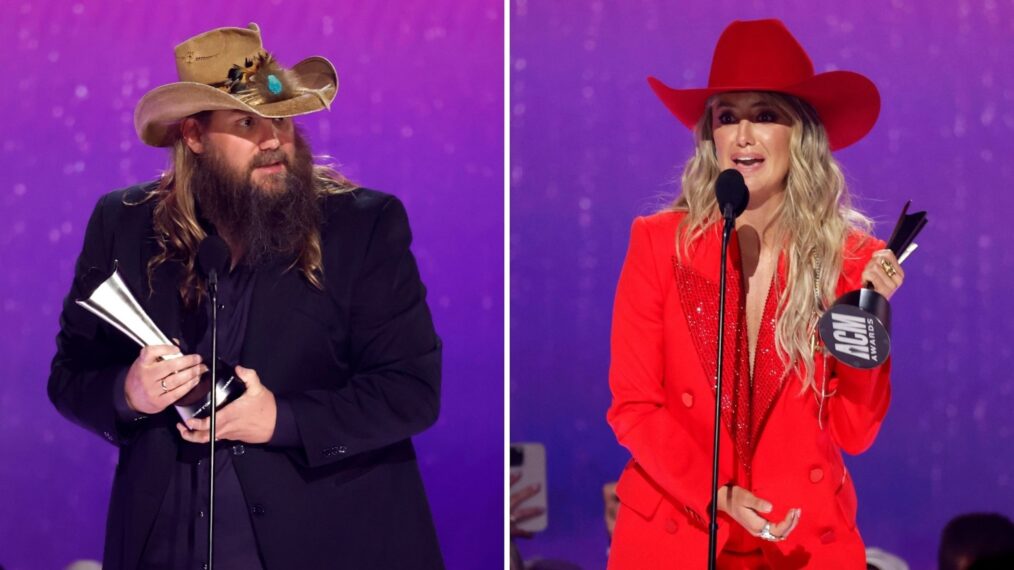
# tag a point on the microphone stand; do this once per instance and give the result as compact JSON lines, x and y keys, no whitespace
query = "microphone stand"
{"x":213,"y":292}
{"x":727,"y":214}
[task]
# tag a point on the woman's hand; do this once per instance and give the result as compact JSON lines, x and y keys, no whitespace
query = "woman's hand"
{"x":884,"y":272}
{"x":744,"y":507}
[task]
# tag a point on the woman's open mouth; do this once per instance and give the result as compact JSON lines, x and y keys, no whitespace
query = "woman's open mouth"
{"x":748,"y":163}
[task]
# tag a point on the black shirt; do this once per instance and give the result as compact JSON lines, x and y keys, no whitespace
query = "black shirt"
{"x":179,"y":536}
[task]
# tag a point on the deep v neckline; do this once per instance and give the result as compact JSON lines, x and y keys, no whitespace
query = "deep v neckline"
{"x":751,"y":349}
{"x":752,"y":383}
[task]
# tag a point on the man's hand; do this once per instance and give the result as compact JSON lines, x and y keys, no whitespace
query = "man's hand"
{"x":250,"y":419}
{"x":152,"y":385}
{"x":744,"y":507}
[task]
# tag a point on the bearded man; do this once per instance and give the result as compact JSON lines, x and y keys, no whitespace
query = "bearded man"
{"x":321,"y":312}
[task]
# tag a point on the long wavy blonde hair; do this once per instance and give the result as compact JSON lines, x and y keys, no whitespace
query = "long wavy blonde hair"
{"x":812,"y":223}
{"x":179,"y":234}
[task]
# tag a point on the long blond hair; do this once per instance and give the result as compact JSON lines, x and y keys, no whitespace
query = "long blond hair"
{"x":812,"y":223}
{"x":179,"y":234}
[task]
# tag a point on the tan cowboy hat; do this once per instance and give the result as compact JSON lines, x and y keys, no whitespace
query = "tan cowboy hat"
{"x":227,"y":68}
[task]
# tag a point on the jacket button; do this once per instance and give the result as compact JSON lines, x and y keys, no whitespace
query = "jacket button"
{"x":827,"y":536}
{"x":688,"y":399}
{"x":258,"y":510}
{"x":816,"y":475}
{"x":238,"y":449}
{"x":671,"y":526}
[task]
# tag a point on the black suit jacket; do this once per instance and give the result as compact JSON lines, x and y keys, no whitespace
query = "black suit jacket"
{"x":359,"y":362}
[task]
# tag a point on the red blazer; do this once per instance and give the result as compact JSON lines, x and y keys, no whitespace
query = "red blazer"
{"x":661,"y":375}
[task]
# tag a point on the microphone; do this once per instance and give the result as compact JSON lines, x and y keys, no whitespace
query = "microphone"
{"x":212,"y":258}
{"x":732,"y":196}
{"x":731,"y":192}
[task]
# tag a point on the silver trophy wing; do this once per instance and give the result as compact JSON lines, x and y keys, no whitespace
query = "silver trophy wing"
{"x":112,"y":302}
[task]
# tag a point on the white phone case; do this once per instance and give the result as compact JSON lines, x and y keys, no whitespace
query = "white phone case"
{"x":532,"y":469}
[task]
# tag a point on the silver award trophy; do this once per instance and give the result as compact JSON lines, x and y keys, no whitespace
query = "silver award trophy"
{"x":112,"y":302}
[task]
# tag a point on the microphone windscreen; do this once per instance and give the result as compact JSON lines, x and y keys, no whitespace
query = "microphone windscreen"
{"x":212,"y":255}
{"x":731,"y":192}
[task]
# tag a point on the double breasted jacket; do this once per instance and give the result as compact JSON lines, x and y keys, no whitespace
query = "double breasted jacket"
{"x":778,"y":441}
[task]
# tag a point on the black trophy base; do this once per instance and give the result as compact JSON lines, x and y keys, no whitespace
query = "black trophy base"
{"x":197,"y":402}
{"x":857,"y":329}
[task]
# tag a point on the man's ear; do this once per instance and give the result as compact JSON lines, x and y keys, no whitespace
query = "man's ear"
{"x":191,"y":131}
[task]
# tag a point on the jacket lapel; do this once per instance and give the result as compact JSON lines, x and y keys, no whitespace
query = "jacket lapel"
{"x":697,"y":280}
{"x":746,"y":402}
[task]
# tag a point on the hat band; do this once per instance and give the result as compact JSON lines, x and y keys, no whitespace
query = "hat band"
{"x":261,"y":80}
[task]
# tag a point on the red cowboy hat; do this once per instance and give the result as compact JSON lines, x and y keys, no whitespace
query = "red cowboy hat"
{"x":761,"y":55}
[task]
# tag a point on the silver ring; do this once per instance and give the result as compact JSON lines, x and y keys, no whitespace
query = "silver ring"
{"x":164,"y":388}
{"x":765,"y":533}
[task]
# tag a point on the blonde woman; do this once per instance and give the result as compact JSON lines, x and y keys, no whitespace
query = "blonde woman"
{"x":788,"y":409}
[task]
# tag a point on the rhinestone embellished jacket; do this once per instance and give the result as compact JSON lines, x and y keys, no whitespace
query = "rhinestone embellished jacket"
{"x":662,"y":371}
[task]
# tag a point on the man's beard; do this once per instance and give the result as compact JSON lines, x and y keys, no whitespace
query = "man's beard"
{"x":263,"y":223}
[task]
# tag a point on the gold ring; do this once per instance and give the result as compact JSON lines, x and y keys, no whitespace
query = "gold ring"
{"x":888,"y":267}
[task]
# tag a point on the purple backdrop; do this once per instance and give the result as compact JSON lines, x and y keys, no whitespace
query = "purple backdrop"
{"x":419,"y":113}
{"x":591,"y":148}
